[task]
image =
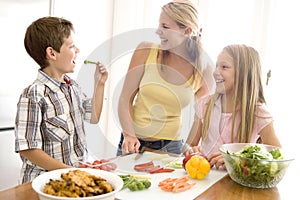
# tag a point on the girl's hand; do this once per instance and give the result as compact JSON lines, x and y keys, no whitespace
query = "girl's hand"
{"x":193,"y":149}
{"x":216,"y":159}
{"x":101,"y":74}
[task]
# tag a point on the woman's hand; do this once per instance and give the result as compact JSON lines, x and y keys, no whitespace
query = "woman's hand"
{"x":216,"y":159}
{"x":130,"y":144}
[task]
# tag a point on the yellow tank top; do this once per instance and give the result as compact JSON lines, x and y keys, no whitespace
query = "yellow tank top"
{"x":158,"y":105}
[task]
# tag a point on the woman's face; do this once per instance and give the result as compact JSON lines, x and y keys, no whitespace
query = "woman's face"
{"x":170,"y":34}
{"x":224,"y":74}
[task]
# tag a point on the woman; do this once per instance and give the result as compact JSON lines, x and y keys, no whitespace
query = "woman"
{"x":162,"y":80}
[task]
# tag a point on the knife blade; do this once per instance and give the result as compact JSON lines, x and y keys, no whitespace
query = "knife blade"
{"x":140,"y":153}
{"x":119,"y":156}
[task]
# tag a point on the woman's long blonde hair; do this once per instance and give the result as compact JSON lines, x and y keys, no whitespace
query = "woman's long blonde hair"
{"x":248,"y":91}
{"x":185,"y":14}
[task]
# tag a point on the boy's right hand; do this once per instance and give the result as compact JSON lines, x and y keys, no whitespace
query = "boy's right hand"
{"x":101,"y":74}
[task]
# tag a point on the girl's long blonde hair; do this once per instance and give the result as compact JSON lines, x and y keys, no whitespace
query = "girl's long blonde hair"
{"x":248,"y":91}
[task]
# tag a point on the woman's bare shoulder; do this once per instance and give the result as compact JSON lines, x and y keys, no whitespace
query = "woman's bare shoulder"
{"x":142,"y":50}
{"x":145,"y":45}
{"x":140,"y":54}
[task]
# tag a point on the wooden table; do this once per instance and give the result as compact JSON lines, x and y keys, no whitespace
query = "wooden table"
{"x":223,"y":189}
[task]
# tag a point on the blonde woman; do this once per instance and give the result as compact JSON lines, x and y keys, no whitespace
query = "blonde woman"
{"x":237,"y":111}
{"x":162,"y":80}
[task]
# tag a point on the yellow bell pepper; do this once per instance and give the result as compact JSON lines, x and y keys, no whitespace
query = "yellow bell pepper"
{"x":197,"y":167}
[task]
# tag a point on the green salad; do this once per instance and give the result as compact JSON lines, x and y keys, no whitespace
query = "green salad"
{"x":257,"y":168}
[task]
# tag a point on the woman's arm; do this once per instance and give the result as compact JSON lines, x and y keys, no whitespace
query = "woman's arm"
{"x":130,"y":88}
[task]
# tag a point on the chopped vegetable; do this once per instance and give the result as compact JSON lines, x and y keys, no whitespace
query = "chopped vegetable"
{"x":146,"y":167}
{"x":176,"y":163}
{"x":161,"y":170}
{"x":102,"y":164}
{"x":158,"y":157}
{"x":91,"y":62}
{"x":176,"y":184}
{"x":197,"y":167}
{"x":135,"y":183}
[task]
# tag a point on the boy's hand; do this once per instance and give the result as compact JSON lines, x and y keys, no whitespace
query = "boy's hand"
{"x":101,"y":74}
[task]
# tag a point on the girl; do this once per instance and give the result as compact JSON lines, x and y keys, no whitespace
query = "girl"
{"x":237,"y":111}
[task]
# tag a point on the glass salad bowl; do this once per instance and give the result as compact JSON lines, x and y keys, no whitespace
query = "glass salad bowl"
{"x":255,"y":165}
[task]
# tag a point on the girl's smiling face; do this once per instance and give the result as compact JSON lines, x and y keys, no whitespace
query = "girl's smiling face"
{"x":171,"y":35}
{"x":224,"y":74}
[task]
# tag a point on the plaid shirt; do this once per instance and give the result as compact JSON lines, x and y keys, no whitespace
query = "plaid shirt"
{"x":50,"y":117}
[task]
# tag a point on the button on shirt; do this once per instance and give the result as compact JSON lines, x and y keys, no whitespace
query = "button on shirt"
{"x":50,"y":117}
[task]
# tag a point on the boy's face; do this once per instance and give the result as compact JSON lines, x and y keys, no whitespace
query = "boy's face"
{"x":66,"y":59}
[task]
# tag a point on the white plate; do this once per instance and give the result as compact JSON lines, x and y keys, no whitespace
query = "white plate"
{"x":39,"y":182}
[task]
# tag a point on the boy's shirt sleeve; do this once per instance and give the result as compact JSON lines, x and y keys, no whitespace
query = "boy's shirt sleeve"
{"x":27,"y":126}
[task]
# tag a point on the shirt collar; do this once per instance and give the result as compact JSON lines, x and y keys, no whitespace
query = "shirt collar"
{"x":51,"y":82}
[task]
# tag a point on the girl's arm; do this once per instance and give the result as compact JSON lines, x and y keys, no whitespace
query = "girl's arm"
{"x":268,"y":136}
{"x":192,"y":141}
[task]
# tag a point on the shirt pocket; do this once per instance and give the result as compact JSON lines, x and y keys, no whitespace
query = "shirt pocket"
{"x":57,"y":128}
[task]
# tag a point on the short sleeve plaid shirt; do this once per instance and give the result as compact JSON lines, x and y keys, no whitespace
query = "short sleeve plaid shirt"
{"x":50,"y":117}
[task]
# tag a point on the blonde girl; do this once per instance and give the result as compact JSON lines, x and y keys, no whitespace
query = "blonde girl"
{"x":237,"y":111}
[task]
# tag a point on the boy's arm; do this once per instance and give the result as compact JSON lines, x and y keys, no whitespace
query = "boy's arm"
{"x":42,"y":159}
{"x":100,"y":77}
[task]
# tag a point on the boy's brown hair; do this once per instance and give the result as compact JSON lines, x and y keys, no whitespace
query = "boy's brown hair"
{"x":46,"y":32}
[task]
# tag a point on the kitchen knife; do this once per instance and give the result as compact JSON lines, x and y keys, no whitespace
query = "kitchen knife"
{"x":140,"y":153}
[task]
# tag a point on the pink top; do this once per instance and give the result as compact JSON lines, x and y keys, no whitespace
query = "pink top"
{"x":220,"y":125}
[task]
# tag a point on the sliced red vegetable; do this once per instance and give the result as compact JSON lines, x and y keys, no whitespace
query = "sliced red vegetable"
{"x":161,"y":170}
{"x":100,"y":164}
{"x":145,"y":164}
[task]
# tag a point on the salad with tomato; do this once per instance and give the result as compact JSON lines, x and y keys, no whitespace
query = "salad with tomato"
{"x":254,"y":165}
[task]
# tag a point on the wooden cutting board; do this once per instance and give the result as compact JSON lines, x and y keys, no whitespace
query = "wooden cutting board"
{"x":126,"y":164}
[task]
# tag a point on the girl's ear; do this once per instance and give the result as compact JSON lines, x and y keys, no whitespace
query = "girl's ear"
{"x":50,"y":53}
{"x":188,"y":31}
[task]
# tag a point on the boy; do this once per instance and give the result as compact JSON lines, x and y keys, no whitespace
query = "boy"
{"x":49,"y":126}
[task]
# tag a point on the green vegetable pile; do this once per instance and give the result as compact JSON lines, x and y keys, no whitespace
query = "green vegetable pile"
{"x":257,"y":170}
{"x":135,"y":183}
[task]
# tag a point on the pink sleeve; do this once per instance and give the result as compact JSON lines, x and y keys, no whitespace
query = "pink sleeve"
{"x":262,"y":118}
{"x":200,"y":106}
